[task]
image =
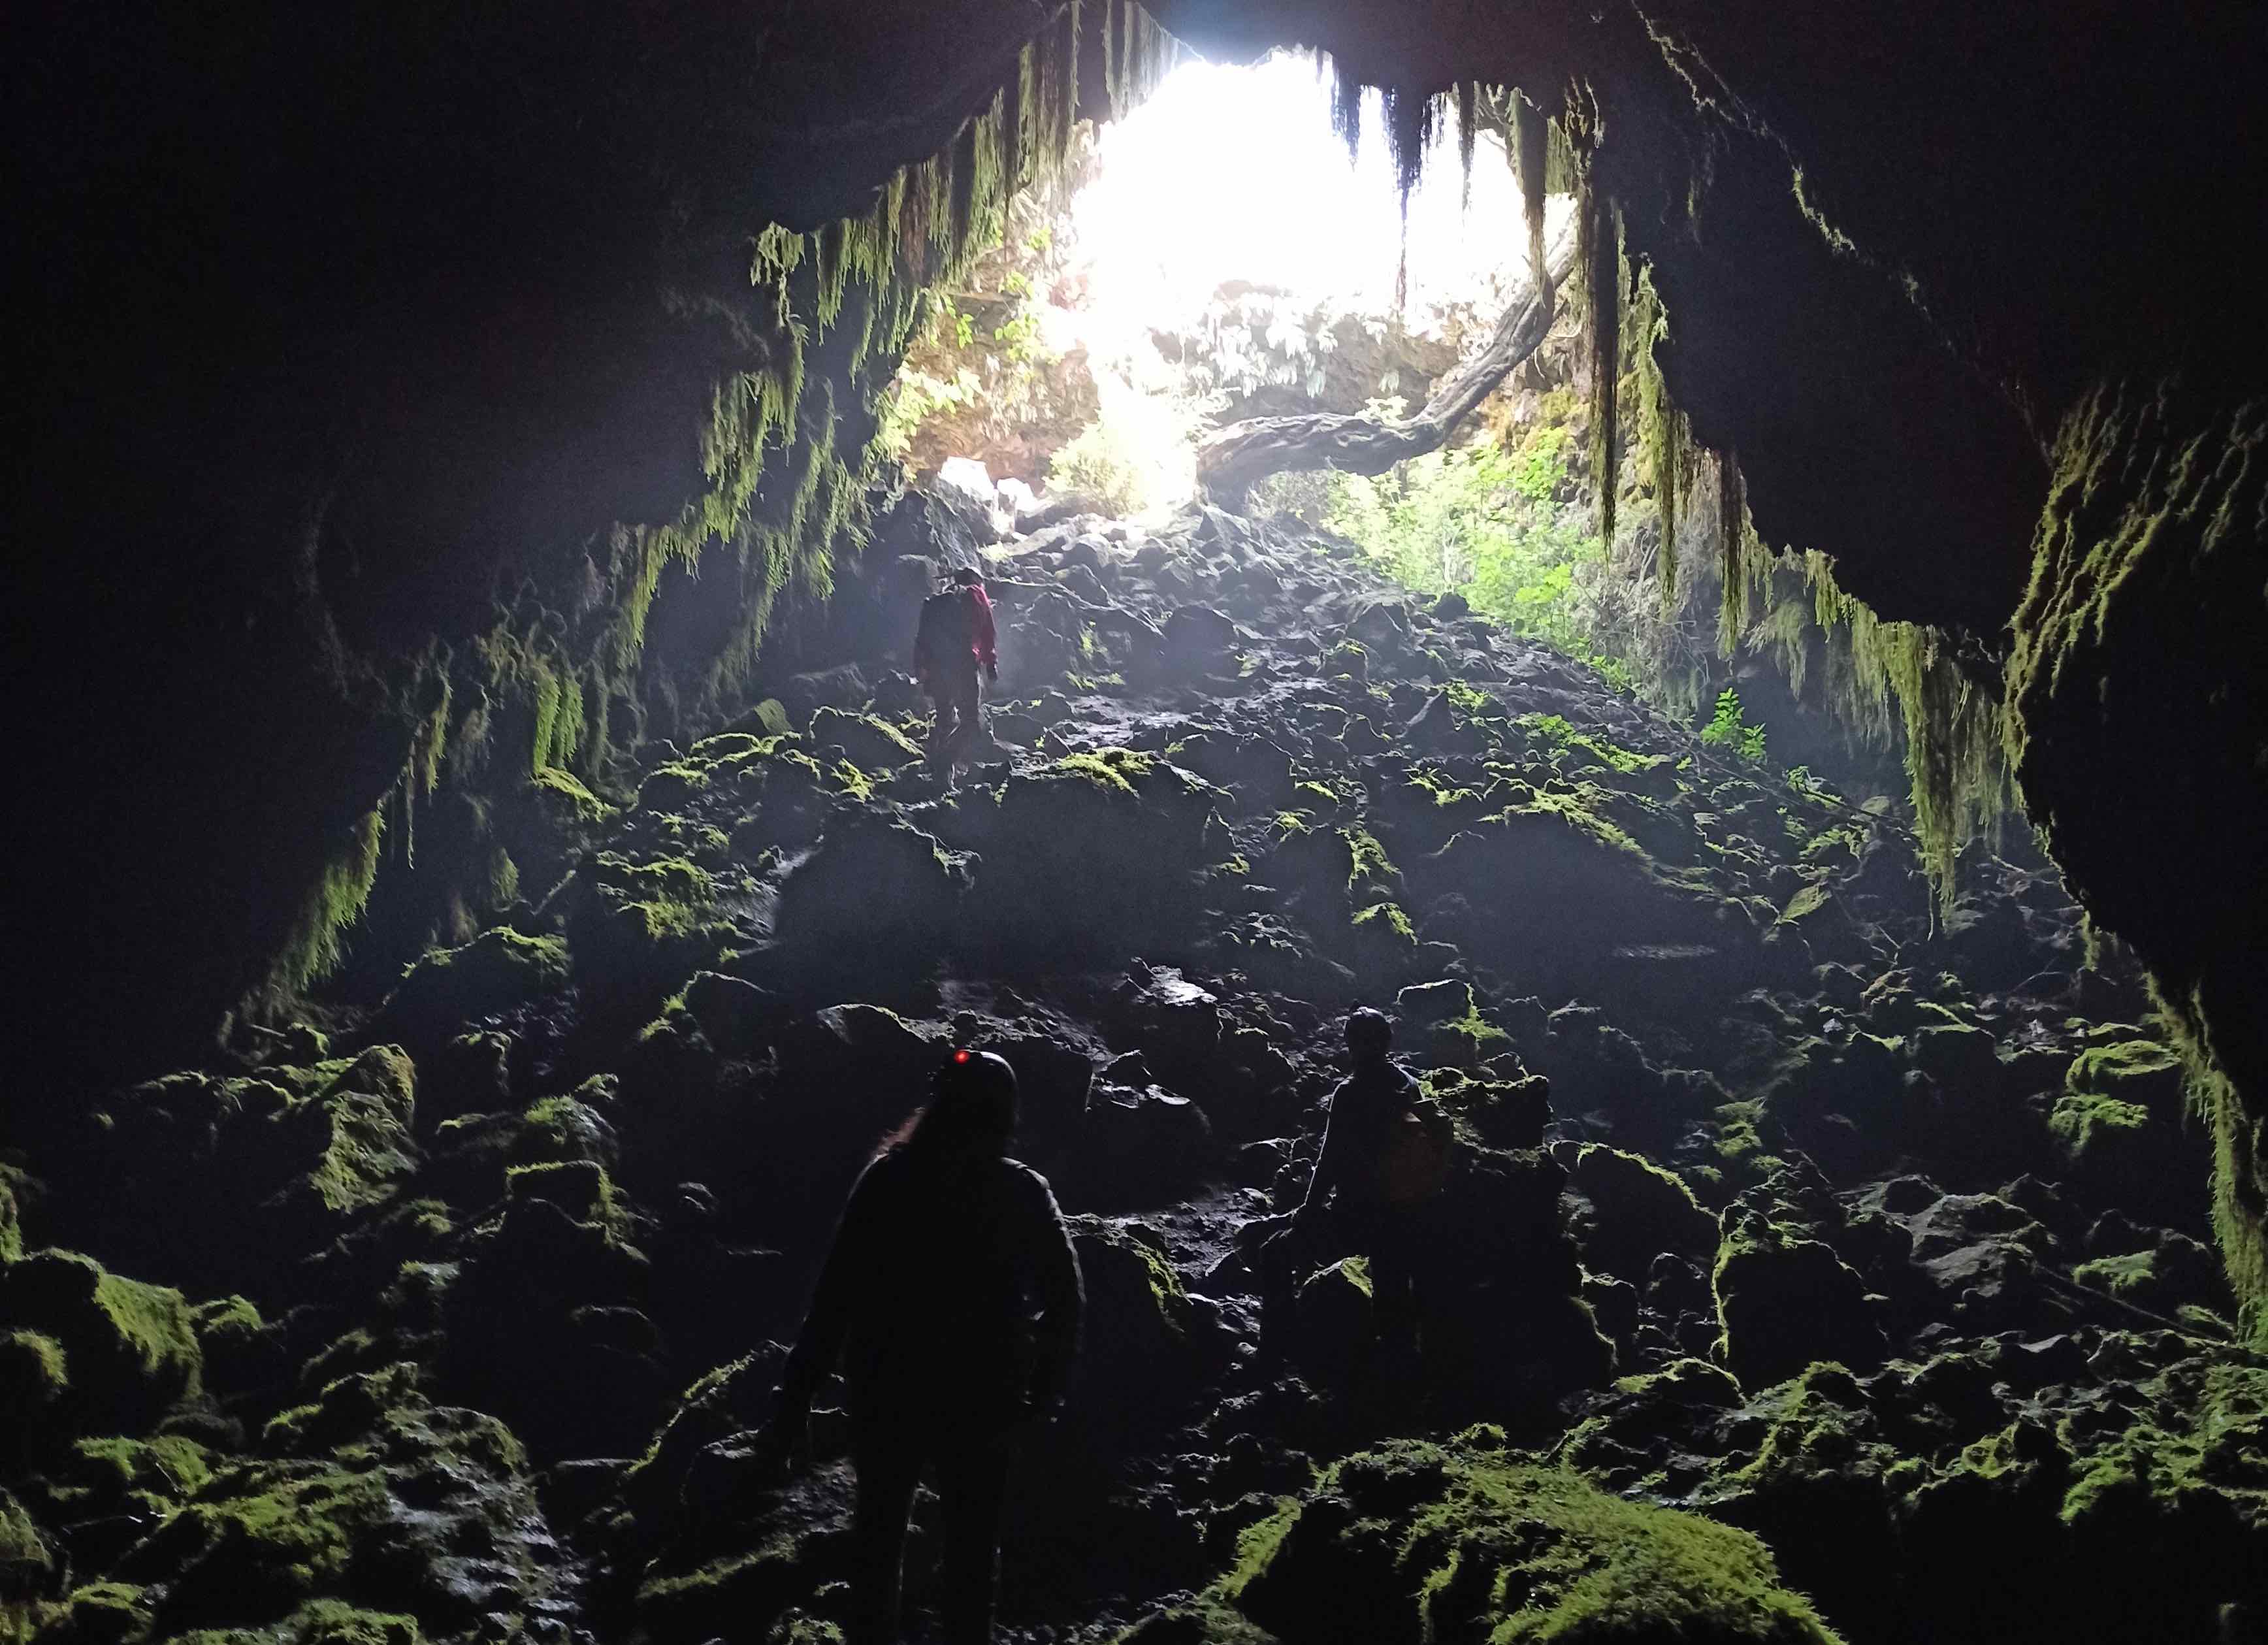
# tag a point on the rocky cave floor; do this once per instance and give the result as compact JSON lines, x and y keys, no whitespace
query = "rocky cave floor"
{"x":1785,"y":1216}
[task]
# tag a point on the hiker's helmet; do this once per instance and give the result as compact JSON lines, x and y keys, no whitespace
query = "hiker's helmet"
{"x":1369,"y":1033}
{"x":974,"y":1092}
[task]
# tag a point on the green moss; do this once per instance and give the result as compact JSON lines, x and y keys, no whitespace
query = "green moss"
{"x":22,"y":1548}
{"x":2201,"y":1438}
{"x":154,"y":1326}
{"x":1465,"y":1540}
{"x":581,"y":1188}
{"x":1347,"y":660}
{"x":660,"y":880}
{"x":292,"y":1523}
{"x":1113,"y":770}
{"x":584,"y":805}
{"x":1474,"y":704}
{"x":2086,"y":1124}
{"x":317,"y":1622}
{"x":316,"y":940}
{"x":1581,"y":811}
{"x":497,"y":970}
{"x":35,"y":1371}
{"x":1367,"y":863}
{"x":2131,"y":1278}
{"x":1386,"y":918}
{"x":1822,"y":1427}
{"x":15,"y":1186}
{"x":102,"y":1613}
{"x":2106,"y":1069}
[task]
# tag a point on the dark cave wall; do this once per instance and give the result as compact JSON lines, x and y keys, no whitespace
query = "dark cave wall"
{"x":374,"y":357}
{"x":388,"y":371}
{"x":2140,"y":690}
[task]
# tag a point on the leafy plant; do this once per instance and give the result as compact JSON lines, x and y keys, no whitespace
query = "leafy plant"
{"x":1484,"y":522}
{"x":1726,"y":730}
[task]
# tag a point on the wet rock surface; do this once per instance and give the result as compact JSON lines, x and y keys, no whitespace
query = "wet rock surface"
{"x":1818,"y":1267}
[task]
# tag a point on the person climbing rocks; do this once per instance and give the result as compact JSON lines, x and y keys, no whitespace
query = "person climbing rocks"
{"x":951,"y":1299}
{"x":1385,"y":1153}
{"x":955,"y":639}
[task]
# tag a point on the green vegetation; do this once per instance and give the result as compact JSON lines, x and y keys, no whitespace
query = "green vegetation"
{"x":1726,"y":730}
{"x":1465,"y":1540}
{"x":1484,"y":522}
{"x":317,"y":939}
{"x":1108,"y":769}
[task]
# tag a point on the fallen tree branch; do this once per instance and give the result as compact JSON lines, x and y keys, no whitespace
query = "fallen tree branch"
{"x":1232,"y":460}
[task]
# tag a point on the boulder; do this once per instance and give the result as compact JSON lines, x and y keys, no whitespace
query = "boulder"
{"x":1504,"y":1113}
{"x":1198,"y":637}
{"x":1141,"y":1146}
{"x":1466,"y":1541}
{"x":1116,"y":833}
{"x":449,"y":988}
{"x":877,"y":895}
{"x":2120,"y":1127}
{"x":369,"y":1489}
{"x":1784,"y":1300}
{"x":871,"y":744}
{"x":1638,"y":1211}
{"x":1139,"y":1347}
{"x":98,"y":1352}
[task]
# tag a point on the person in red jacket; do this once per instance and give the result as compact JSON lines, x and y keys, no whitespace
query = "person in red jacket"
{"x":956,"y":638}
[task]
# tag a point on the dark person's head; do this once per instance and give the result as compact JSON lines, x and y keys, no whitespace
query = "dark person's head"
{"x":966,"y":577}
{"x":1368,"y":1035}
{"x":971,"y":1108}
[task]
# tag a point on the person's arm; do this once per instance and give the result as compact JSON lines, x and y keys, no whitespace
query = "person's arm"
{"x":849,"y":1262}
{"x":1062,"y":1298}
{"x":1331,"y":1164}
{"x":987,"y":635}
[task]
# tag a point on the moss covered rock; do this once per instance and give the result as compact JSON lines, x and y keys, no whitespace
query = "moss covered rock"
{"x":876,"y":896}
{"x":1639,"y":1210}
{"x":1785,"y":1299}
{"x":870,"y":744}
{"x":1140,"y":1338}
{"x":369,"y":1490}
{"x":24,"y":1556}
{"x":451,"y":987}
{"x":1466,"y":1541}
{"x":126,"y":1352}
{"x":2121,"y":1128}
{"x":1117,"y":833}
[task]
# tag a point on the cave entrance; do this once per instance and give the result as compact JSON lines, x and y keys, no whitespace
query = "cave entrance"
{"x":1220,"y":252}
{"x":1251,"y":248}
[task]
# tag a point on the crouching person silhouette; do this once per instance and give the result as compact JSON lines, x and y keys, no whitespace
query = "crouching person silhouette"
{"x":951,"y":1301}
{"x":1387,"y":1151}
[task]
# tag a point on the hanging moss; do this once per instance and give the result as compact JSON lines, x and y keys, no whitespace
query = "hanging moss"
{"x":317,"y":938}
{"x":1739,"y":560}
{"x":1662,"y":431}
{"x":784,"y":481}
{"x":1599,"y":253}
{"x":1531,"y":151}
{"x":1467,"y":95}
{"x":1346,"y":105}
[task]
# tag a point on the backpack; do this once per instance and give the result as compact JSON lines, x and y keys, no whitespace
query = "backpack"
{"x":1414,"y":1164}
{"x":947,"y":633}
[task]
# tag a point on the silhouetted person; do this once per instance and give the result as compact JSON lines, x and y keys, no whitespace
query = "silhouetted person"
{"x":955,"y":639}
{"x":1385,"y":1152}
{"x":951,"y":1299}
